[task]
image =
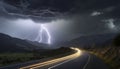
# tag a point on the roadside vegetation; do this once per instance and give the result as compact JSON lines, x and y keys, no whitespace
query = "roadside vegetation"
{"x":110,"y":54}
{"x":8,"y":58}
{"x":13,"y":58}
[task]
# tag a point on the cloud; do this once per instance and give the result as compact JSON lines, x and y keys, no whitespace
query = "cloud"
{"x":48,"y":10}
{"x":12,"y":12}
{"x":64,"y":18}
{"x":110,"y":24}
{"x":96,"y":13}
{"x":110,"y":9}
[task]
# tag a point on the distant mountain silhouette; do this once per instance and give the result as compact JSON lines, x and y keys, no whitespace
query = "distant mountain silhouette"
{"x":10,"y":44}
{"x":98,"y":40}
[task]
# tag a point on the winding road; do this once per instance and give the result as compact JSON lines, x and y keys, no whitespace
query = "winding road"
{"x":78,"y":60}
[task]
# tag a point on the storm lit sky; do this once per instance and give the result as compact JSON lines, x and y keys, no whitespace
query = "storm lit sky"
{"x":63,"y":19}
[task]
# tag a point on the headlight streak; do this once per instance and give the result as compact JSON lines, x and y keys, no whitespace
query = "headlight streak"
{"x":39,"y":65}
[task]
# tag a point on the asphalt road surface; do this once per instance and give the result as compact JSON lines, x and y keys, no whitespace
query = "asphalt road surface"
{"x":75,"y":61}
{"x":85,"y":61}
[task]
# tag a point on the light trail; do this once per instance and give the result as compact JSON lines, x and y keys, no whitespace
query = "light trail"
{"x":69,"y":57}
{"x":40,"y":35}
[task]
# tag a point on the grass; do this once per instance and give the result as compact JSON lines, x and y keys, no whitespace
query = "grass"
{"x":14,"y":58}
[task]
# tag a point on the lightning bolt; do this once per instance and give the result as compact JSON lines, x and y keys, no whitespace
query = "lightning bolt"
{"x":40,"y":38}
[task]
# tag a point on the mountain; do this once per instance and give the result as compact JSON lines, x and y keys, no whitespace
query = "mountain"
{"x":42,"y":45}
{"x":98,"y":40}
{"x":10,"y":44}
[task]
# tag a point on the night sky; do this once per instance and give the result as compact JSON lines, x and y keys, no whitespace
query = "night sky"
{"x":64,"y":19}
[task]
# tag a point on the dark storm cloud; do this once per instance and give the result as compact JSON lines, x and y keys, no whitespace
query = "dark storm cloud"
{"x":12,"y":12}
{"x":79,"y":16}
{"x":52,"y":9}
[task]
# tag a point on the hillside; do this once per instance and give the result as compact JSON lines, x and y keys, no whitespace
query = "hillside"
{"x":10,"y":44}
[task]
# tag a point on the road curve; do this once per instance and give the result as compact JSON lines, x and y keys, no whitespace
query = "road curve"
{"x":57,"y":60}
{"x":85,"y":61}
{"x":78,"y":60}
